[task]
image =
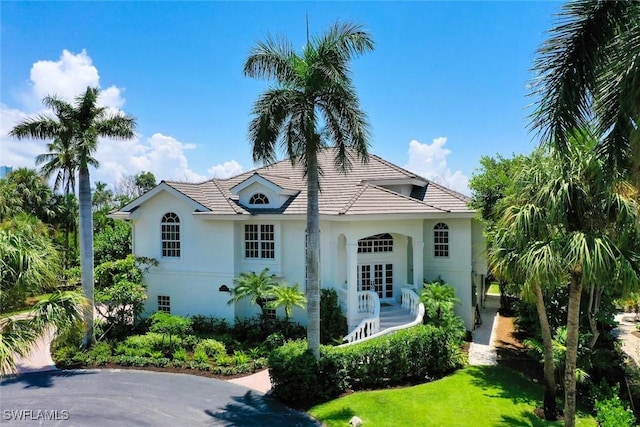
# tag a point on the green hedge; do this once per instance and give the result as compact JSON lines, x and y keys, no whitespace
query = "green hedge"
{"x":417,"y":354}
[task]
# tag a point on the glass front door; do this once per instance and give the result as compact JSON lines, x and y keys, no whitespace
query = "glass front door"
{"x":377,"y":278}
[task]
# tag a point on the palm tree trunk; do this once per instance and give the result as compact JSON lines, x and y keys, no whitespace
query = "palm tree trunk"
{"x":549,"y":399}
{"x":86,"y":252}
{"x":573,"y":319}
{"x":313,"y":254}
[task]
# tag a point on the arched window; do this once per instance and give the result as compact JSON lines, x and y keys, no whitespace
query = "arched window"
{"x":170,"y":235}
{"x":259,"y":199}
{"x":441,"y":240}
{"x":377,"y":243}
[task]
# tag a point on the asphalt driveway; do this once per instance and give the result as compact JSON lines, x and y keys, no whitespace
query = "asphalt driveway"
{"x":114,"y":397}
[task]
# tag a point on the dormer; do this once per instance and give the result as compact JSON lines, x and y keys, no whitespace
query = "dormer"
{"x":405,"y":186}
{"x":257,"y":192}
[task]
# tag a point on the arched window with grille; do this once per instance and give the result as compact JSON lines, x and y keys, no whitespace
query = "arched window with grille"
{"x":441,"y":240}
{"x":170,"y":235}
{"x":259,"y":199}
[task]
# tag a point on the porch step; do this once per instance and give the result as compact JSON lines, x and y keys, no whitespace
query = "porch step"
{"x":394,"y":315}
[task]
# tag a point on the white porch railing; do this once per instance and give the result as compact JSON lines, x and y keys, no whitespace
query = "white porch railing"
{"x":410,"y":300}
{"x":368,"y":303}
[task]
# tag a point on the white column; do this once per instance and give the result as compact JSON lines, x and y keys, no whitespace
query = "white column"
{"x":418,"y":262}
{"x":352,"y":284}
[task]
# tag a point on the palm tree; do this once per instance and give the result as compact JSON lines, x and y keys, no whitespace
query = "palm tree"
{"x":439,"y":300}
{"x":571,"y":223}
{"x":313,"y":89}
{"x":59,"y":311}
{"x":287,"y":297}
{"x":258,"y":287}
{"x":589,"y":69}
{"x":81,"y":123}
{"x":29,"y":261}
{"x":61,"y":160}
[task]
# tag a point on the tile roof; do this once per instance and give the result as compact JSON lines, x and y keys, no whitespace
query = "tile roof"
{"x":354,"y":193}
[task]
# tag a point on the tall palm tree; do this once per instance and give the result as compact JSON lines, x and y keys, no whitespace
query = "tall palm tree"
{"x":81,"y":123}
{"x":572,"y":223}
{"x":61,"y":160}
{"x":588,"y":69}
{"x":313,"y":90}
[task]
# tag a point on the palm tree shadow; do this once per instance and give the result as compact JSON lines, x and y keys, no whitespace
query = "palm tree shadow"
{"x":40,"y":379}
{"x":506,"y":383}
{"x":253,"y":409}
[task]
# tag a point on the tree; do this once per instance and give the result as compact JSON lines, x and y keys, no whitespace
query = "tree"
{"x":588,"y":69}
{"x":571,"y":224}
{"x":258,"y":288}
{"x":29,"y":262}
{"x":287,"y":297}
{"x":102,"y":198}
{"x":312,"y":90}
{"x":36,"y":198}
{"x":61,"y":311}
{"x":61,"y":160}
{"x":80,"y":124}
{"x":144,"y":181}
{"x":439,"y":301}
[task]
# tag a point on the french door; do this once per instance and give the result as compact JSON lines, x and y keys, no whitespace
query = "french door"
{"x":377,"y":278}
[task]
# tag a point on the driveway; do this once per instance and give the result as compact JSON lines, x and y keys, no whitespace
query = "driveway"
{"x":113,"y":397}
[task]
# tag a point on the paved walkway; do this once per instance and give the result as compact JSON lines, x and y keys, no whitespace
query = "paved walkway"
{"x":482,"y":350}
{"x":630,"y":342}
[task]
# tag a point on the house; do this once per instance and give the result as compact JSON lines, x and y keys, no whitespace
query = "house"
{"x":383,"y":231}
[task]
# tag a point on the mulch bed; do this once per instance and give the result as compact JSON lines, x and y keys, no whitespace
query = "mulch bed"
{"x":511,"y":352}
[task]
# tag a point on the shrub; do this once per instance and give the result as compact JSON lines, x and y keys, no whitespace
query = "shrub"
{"x":100,"y":353}
{"x":610,"y":410}
{"x":211,"y":347}
{"x":180,"y":355}
{"x":64,"y":355}
{"x":240,"y":358}
{"x":224,"y":360}
{"x":274,"y":340}
{"x":413,"y":355}
{"x":209,"y":325}
{"x":170,"y":325}
{"x":200,"y":356}
{"x":333,"y":324}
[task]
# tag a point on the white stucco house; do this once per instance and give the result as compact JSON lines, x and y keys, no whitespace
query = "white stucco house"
{"x":382,"y":229}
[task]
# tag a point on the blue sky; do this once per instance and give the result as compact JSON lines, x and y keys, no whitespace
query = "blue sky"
{"x":445,"y":85}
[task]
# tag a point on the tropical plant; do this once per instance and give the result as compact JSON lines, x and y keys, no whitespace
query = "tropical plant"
{"x":333,"y":323}
{"x":29,"y":262}
{"x":312,"y":89}
{"x":588,"y":69}
{"x":287,"y":297}
{"x":80,"y":125}
{"x":439,"y":299}
{"x":258,"y":288}
{"x":34,"y":195}
{"x":60,"y":311}
{"x":572,"y":224}
{"x":61,"y":160}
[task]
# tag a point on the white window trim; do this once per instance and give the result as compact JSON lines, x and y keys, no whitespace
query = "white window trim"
{"x":276,"y":245}
{"x":180,"y":239}
{"x":433,"y":238}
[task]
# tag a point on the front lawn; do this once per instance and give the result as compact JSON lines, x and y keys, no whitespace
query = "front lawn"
{"x":475,"y":395}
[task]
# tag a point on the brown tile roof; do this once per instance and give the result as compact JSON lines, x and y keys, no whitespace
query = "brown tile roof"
{"x":340,"y":194}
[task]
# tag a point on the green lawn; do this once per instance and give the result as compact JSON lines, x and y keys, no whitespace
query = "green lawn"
{"x":476,"y":395}
{"x":494,"y":288}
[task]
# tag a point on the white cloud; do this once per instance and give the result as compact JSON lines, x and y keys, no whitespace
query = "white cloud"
{"x":225,"y":170}
{"x":430,"y":161}
{"x":69,"y":76}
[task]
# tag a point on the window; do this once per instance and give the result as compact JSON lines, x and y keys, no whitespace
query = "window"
{"x":270,"y":314}
{"x":441,"y":240}
{"x":259,"y":199}
{"x":171,"y":235}
{"x":259,"y":241}
{"x":164,"y":303}
{"x":375,"y":244}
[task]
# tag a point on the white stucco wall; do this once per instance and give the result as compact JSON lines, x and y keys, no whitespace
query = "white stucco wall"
{"x":205,"y":263}
{"x":456,"y":269}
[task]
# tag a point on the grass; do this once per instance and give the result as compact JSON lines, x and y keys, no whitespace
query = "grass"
{"x":476,"y":395}
{"x":494,"y":288}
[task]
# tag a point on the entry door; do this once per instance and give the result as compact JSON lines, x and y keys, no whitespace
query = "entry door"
{"x":377,"y":278}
